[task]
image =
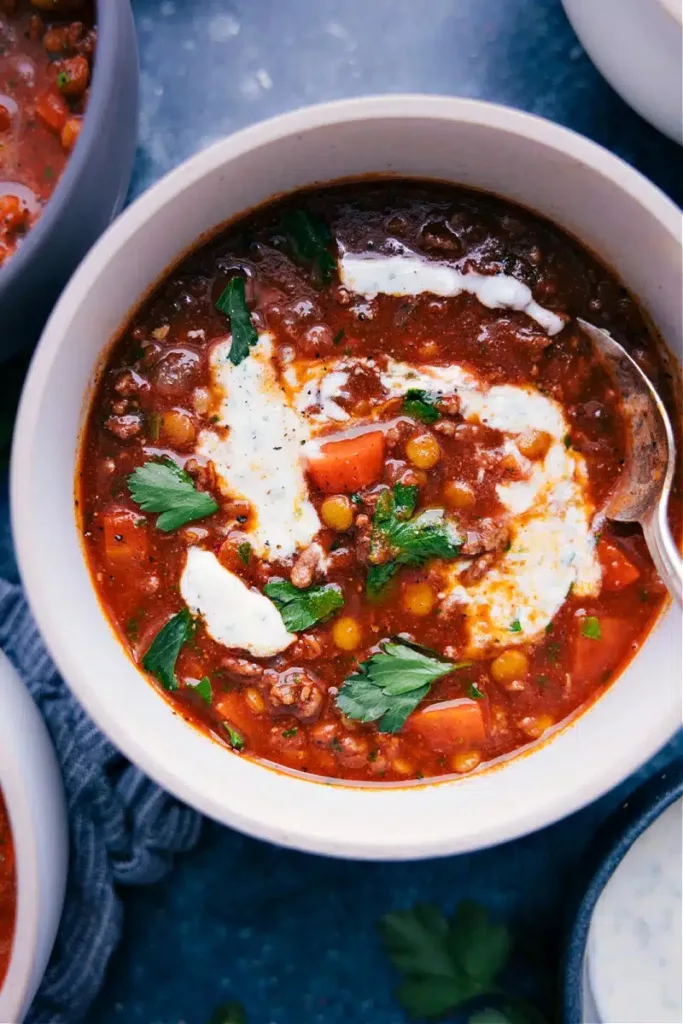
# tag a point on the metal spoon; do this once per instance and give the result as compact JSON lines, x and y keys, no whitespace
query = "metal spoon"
{"x":642,"y":491}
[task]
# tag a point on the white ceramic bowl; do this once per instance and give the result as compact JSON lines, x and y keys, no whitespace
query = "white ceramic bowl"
{"x":33,"y":794}
{"x":638,"y":47}
{"x":621,"y":216}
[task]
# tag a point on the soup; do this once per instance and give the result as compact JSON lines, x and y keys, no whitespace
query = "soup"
{"x":46,"y":54}
{"x":341,"y":480}
{"x":8,"y":893}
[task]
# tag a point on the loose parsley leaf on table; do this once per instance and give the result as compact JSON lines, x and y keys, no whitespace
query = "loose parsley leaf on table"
{"x":228,"y":1013}
{"x":310,"y":239}
{"x":232,"y":301}
{"x":391,"y":683}
{"x":303,"y":608}
{"x":166,"y":488}
{"x":590,"y":627}
{"x":397,"y":539}
{"x":445,"y":963}
{"x":421,"y":405}
{"x":161,"y":656}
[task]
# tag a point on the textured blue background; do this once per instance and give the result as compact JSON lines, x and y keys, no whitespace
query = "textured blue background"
{"x":290,"y":935}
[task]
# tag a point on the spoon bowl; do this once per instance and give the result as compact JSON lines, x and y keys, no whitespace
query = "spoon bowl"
{"x":642,"y":492}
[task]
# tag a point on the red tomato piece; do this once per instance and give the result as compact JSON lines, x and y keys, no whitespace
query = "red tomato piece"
{"x":125,"y":542}
{"x":618,"y":571}
{"x":346,"y":466}
{"x":53,"y":110}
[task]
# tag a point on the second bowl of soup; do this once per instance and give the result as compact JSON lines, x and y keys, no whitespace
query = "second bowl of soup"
{"x":339,"y":481}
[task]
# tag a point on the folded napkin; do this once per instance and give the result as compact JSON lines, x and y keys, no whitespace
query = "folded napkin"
{"x":123,"y":829}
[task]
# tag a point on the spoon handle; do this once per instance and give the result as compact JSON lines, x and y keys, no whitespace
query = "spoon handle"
{"x":665,"y":554}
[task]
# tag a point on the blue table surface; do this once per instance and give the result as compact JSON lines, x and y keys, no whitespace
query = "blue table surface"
{"x":290,"y":935}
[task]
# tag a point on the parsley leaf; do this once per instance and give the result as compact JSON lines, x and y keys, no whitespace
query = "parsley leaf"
{"x":474,"y":692}
{"x":164,"y":487}
{"x":235,"y":737}
{"x":590,"y":627}
{"x":203,"y":689}
{"x":163,"y":652}
{"x":303,"y":608}
{"x":244,"y":552}
{"x":445,"y":963}
{"x":516,"y":626}
{"x":420,"y":405}
{"x":391,"y":683}
{"x":232,"y":301}
{"x":397,"y":539}
{"x":309,"y":240}
{"x":228,"y":1013}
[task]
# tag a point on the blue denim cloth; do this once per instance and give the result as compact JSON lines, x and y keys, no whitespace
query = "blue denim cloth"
{"x":123,"y":829}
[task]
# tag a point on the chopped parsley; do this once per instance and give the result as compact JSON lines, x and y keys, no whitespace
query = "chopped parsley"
{"x":63,"y":79}
{"x":567,"y":440}
{"x":288,"y":733}
{"x":203,"y":689}
{"x":590,"y":627}
{"x":232,"y":301}
{"x":303,"y":608}
{"x":235,"y":738}
{"x":391,"y":683}
{"x":399,"y":539}
{"x":420,"y":405}
{"x":244,"y":552}
{"x":475,"y":693}
{"x":309,"y":240}
{"x":516,"y":626}
{"x":162,"y":654}
{"x":166,"y":488}
{"x":339,"y":337}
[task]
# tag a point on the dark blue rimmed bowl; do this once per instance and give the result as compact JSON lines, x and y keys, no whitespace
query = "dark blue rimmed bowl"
{"x":612,"y":842}
{"x":90,"y":192}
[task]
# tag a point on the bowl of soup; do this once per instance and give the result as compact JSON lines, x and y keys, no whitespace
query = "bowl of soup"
{"x":316,"y":450}
{"x":33,"y":846}
{"x":68,"y":116}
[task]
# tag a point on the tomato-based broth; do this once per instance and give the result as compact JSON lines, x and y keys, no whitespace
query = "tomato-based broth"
{"x":8,"y":891}
{"x":46,"y":53}
{"x":341,"y":482}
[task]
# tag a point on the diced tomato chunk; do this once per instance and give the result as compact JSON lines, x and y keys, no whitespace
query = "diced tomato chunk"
{"x":593,"y":658}
{"x":53,"y":110}
{"x":618,"y":571}
{"x":125,"y":540}
{"x":445,"y":727}
{"x":346,"y":466}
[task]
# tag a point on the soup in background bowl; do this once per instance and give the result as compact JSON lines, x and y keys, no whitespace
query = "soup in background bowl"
{"x":161,"y":399}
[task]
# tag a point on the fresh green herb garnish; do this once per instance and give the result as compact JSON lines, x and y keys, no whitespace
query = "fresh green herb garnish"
{"x":567,"y":441}
{"x":163,"y":652}
{"x":420,"y":405}
{"x":590,"y":627}
{"x":303,"y":608}
{"x":397,"y":539}
{"x":166,"y":488}
{"x":516,"y":626}
{"x":232,"y":301}
{"x":309,"y":240}
{"x":475,"y":693}
{"x":549,"y":628}
{"x":356,"y":499}
{"x":48,"y":172}
{"x":445,"y":963}
{"x":552,"y":652}
{"x":391,"y":683}
{"x":203,"y":689}
{"x":228,"y":1013}
{"x":235,"y":738}
{"x":63,"y":79}
{"x":244,"y":551}
{"x":288,"y":733}
{"x":339,"y":337}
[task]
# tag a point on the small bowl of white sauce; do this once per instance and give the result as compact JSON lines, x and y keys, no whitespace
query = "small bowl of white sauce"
{"x":624,"y":961}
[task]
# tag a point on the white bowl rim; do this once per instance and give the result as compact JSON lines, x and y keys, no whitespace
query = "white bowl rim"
{"x":568,"y":144}
{"x":28,"y":828}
